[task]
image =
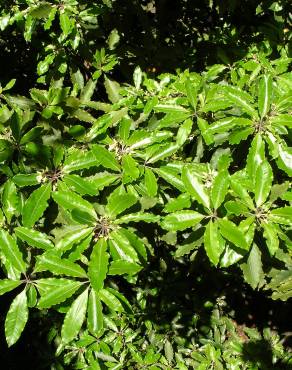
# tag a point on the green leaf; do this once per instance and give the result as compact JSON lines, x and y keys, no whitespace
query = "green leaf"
{"x":79,"y":160}
{"x":33,"y":238}
{"x":195,"y":187}
{"x":41,"y":11}
{"x":65,"y":23}
{"x":110,"y":300}
{"x":106,"y":158}
{"x":232,"y":233}
{"x":270,"y":234}
{"x":82,"y":217}
{"x":170,"y":108}
{"x":74,"y":318}
{"x":171,"y":176}
{"x":263,"y":183}
{"x":16,"y":318}
{"x":103,"y":179}
{"x":10,"y":200}
{"x":119,"y":203}
{"x":241,"y":99}
{"x":281,"y":120}
{"x":6,"y":285}
{"x":122,"y":246}
{"x":121,"y":267}
{"x":205,"y":131}
{"x":55,"y":291}
{"x":112,"y":88}
{"x":98,"y":265}
{"x":265,"y":95}
{"x":150,"y":182}
{"x":35,"y":205}
{"x":80,"y":185}
{"x":58,"y":266}
{"x":181,"y":220}
{"x":11,"y":252}
{"x":177,"y":204}
{"x":130,"y":168}
{"x":168,"y":350}
{"x":94,"y":315}
{"x":184,"y":132}
{"x":162,"y":153}
{"x":70,"y":200}
{"x":192,"y":92}
{"x":213,"y":243}
{"x":252,"y":269}
{"x":137,"y":217}
{"x":228,"y":123}
{"x":74,"y":235}
{"x":240,"y":191}
{"x":219,"y":188}
{"x":281,"y":215}
{"x":256,"y":156}
{"x":25,"y":179}
{"x":88,"y":91}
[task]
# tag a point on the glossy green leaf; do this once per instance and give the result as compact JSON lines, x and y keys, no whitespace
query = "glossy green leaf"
{"x":70,"y":200}
{"x":55,"y":291}
{"x":241,"y":99}
{"x":192,"y":91}
{"x":137,"y":217}
{"x":33,"y":238}
{"x":50,"y":261}
{"x":35,"y":205}
{"x":16,"y":318}
{"x":150,"y":182}
{"x":10,"y":200}
{"x":195,"y":187}
{"x":270,"y":234}
{"x":184,"y":132}
{"x":265,"y":94}
{"x":213,"y":242}
{"x":240,"y":191}
{"x":263,"y":183}
{"x":181,"y":220}
{"x":106,"y":158}
{"x":74,"y":318}
{"x":79,"y":160}
{"x":281,"y":215}
{"x":121,"y":267}
{"x":110,"y":300}
{"x":167,"y":151}
{"x":11,"y":252}
{"x":80,"y":185}
{"x":25,"y":179}
{"x":256,"y":156}
{"x":98,"y":265}
{"x":130,"y":168}
{"x":74,"y":236}
{"x":253,"y":269}
{"x":123,"y":247}
{"x":119,"y":203}
{"x":171,"y":176}
{"x":65,"y":23}
{"x":6,"y":285}
{"x":232,"y":233}
{"x":219,"y":188}
{"x":94,"y":313}
{"x":112,"y":89}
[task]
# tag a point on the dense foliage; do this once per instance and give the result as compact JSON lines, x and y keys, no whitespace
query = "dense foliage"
{"x":123,"y":190}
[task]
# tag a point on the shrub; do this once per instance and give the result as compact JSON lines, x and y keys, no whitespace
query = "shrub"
{"x":91,"y":188}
